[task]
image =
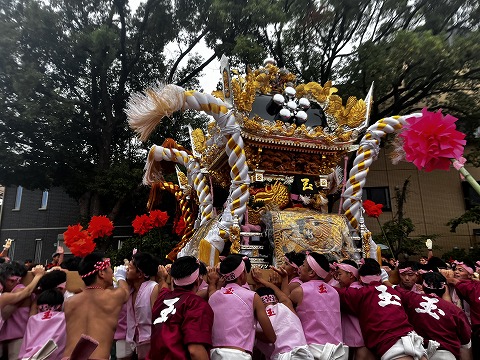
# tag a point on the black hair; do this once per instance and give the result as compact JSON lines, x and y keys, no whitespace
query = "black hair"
{"x":411,"y":264}
{"x":203,"y":268}
{"x":261,"y":291}
{"x":71,"y":264}
{"x":183,"y":267}
{"x":6,"y":270}
{"x":19,"y":269}
{"x":435,"y":263}
{"x":248,"y":264}
{"x":370,"y":267}
{"x":28,"y":260}
{"x":87,"y":265}
{"x":321,"y":260}
{"x":164,"y":261}
{"x":230,"y":263}
{"x":146,"y":263}
{"x":350,"y":262}
{"x":435,"y":282}
{"x":50,"y":297}
{"x":296,"y":257}
{"x":52,"y":279}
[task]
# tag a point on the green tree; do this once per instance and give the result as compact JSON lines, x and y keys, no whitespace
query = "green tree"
{"x":66,"y":71}
{"x":418,"y":53}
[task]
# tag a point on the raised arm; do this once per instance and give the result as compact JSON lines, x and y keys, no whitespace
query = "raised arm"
{"x":15,"y":297}
{"x":7,"y":245}
{"x":264,"y":320}
{"x":123,"y":289}
{"x":212,"y":279}
{"x":61,"y":251}
{"x":281,"y":296}
{"x":162,"y":275}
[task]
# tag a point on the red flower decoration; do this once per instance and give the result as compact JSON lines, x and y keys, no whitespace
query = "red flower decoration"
{"x":142,"y":224}
{"x":430,"y":141}
{"x":372,"y":209}
{"x":180,"y":227}
{"x":83,"y":246}
{"x":100,"y":226}
{"x":158,"y":218}
{"x":78,"y":240}
{"x":73,"y":233}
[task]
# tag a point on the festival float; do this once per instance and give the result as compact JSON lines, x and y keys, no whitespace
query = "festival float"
{"x":279,"y":150}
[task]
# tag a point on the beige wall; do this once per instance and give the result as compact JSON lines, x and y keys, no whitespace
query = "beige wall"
{"x":433,"y":199}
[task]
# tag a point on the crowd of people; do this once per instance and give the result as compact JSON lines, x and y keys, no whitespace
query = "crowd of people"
{"x":308,"y":308}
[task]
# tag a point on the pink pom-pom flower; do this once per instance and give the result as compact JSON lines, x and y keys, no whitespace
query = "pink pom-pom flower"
{"x":432,"y":140}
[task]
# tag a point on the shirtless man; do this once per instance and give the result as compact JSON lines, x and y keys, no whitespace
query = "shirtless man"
{"x":94,"y":311}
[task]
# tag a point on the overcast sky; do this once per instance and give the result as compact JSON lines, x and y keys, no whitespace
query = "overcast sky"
{"x":211,"y":73}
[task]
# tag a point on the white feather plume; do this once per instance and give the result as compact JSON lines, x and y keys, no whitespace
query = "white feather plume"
{"x":146,"y":110}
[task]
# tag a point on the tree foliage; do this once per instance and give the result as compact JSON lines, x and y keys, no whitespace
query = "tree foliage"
{"x":68,"y":67}
{"x":66,"y":71}
{"x":472,"y":215}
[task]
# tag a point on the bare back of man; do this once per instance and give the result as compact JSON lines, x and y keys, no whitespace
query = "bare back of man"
{"x":94,"y":312}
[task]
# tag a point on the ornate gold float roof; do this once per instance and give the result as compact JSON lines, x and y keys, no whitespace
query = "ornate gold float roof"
{"x":330,"y":127}
{"x":344,"y":123}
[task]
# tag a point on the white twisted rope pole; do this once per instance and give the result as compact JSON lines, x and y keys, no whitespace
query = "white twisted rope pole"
{"x":366,"y":154}
{"x":145,"y":112}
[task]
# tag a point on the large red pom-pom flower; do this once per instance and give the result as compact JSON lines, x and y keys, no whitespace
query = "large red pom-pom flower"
{"x":142,"y":224}
{"x":83,"y":246}
{"x":158,"y":218}
{"x":372,"y":209}
{"x":430,"y":141}
{"x":73,"y":233}
{"x":78,"y":240}
{"x":100,"y":226}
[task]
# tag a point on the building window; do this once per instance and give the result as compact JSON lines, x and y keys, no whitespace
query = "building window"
{"x":18,"y":198}
{"x":60,"y":242}
{"x":38,"y":251}
{"x":379,"y":195}
{"x":120,"y":240}
{"x":11,"y":251}
{"x":470,"y":196}
{"x":43,"y":205}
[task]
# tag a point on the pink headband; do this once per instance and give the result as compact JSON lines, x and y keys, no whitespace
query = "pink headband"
{"x":268,"y":299}
{"x":430,"y":287}
{"x":235,"y":273}
{"x":290,"y":263}
{"x":407,"y":269}
{"x":46,"y":307}
{"x":15,"y":278}
{"x":465,"y":266}
{"x":187,"y":280}
{"x":347,"y":268}
{"x":316,"y":268}
{"x":370,"y":278}
{"x":421,"y":271}
{"x":99,"y":265}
